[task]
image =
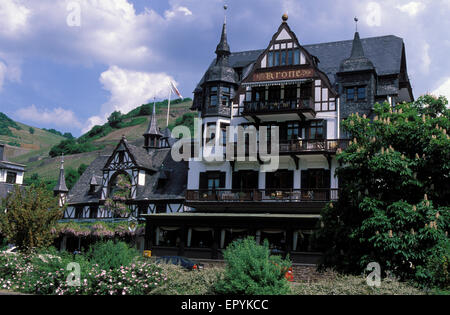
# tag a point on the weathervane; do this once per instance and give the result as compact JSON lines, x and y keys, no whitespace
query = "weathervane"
{"x":225,"y":8}
{"x":356,"y":23}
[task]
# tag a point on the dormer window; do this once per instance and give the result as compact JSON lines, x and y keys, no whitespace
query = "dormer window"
{"x":284,"y":56}
{"x":213,"y":97}
{"x":11,"y":177}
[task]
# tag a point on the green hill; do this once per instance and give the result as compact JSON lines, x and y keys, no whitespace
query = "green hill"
{"x":25,"y":141}
{"x":101,"y":140}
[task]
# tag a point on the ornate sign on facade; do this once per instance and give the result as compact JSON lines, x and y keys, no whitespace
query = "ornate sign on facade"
{"x":282,"y":75}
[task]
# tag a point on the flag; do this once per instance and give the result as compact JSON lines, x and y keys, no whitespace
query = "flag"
{"x":175,"y":90}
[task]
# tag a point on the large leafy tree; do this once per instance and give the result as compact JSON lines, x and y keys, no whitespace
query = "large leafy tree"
{"x":395,"y":191}
{"x":28,"y":217}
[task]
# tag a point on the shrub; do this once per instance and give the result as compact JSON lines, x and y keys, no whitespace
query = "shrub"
{"x":46,"y":273}
{"x":252,"y":270}
{"x":110,"y":255}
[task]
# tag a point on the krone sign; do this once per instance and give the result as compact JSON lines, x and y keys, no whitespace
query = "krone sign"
{"x":282,"y":75}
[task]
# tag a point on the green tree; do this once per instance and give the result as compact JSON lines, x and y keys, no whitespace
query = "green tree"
{"x":115,"y":119}
{"x":394,"y":202}
{"x":31,"y":130}
{"x":28,"y":216}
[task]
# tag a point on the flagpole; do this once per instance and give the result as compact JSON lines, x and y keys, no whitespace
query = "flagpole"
{"x":168,"y":107}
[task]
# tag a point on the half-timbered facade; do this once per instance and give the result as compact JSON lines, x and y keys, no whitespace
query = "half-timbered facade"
{"x":298,"y":94}
{"x":148,"y":179}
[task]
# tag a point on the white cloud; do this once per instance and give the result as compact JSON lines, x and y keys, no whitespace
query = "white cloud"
{"x":170,"y":14}
{"x":373,"y":14}
{"x":412,"y":8}
{"x":443,"y":89}
{"x":13,"y":17}
{"x":2,"y":74}
{"x":426,"y":59}
{"x":56,"y":116}
{"x":9,"y":70}
{"x":129,"y":89}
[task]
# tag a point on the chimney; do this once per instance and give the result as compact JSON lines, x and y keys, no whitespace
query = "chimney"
{"x":2,"y":152}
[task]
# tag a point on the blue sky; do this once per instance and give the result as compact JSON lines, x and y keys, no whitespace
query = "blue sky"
{"x":55,"y":74}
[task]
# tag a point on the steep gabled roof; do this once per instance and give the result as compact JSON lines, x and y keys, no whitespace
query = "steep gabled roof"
{"x":139,"y":156}
{"x":385,"y":52}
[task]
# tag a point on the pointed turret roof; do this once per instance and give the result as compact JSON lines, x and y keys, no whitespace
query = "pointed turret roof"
{"x":357,"y":61}
{"x":61,"y":185}
{"x":221,"y":71}
{"x":223,"y":49}
{"x":93,"y":181}
{"x":153,"y":125}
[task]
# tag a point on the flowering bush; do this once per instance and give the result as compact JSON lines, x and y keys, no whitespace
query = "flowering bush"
{"x":46,"y":274}
{"x":110,"y":255}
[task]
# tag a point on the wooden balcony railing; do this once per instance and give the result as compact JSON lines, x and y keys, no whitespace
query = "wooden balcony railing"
{"x":313,"y":145}
{"x":278,"y":106}
{"x":302,"y":146}
{"x":258,"y":195}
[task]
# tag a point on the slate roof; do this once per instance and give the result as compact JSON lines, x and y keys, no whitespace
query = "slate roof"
{"x":357,"y":61}
{"x":169,"y":182}
{"x":172,"y":185}
{"x":61,"y":185}
{"x":80,"y":192}
{"x":142,"y":158}
{"x":385,"y":52}
{"x":153,"y":126}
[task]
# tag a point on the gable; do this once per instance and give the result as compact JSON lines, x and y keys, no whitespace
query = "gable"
{"x":283,"y":35}
{"x":120,"y":160}
{"x":285,"y":61}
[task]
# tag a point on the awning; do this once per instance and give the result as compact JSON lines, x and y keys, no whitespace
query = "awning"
{"x":273,"y":83}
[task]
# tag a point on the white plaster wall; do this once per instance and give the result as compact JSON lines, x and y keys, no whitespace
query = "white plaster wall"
{"x":141,"y":179}
{"x":19,"y":179}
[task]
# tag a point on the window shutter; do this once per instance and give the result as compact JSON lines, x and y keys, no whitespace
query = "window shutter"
{"x":203,"y":181}
{"x":236,"y":180}
{"x":327,"y":179}
{"x":222,"y":178}
{"x":289,"y":184}
{"x":304,"y":179}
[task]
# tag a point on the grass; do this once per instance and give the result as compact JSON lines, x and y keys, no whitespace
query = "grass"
{"x":202,"y":282}
{"x":354,"y":285}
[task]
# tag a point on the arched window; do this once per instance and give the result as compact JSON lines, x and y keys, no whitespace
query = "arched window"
{"x":120,"y":187}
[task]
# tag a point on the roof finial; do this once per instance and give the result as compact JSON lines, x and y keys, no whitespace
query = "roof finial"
{"x":356,"y":23}
{"x":285,"y":17}
{"x":225,"y":8}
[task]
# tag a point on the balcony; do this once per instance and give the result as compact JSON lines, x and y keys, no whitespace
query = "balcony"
{"x":257,"y":200}
{"x":313,"y":146}
{"x":301,"y":147}
{"x":282,"y":110}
